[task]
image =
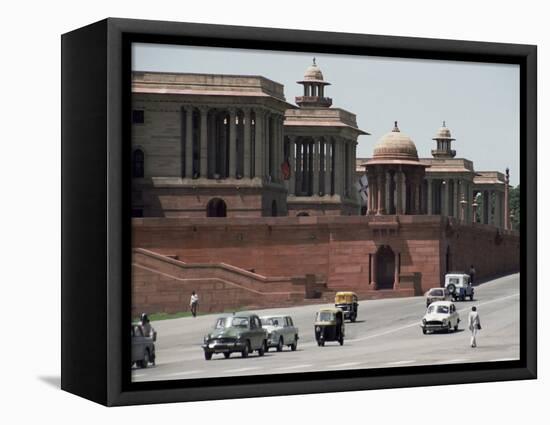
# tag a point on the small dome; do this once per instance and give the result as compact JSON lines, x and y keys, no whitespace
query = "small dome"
{"x":313,"y":73}
{"x":443,"y":133}
{"x":395,"y":145}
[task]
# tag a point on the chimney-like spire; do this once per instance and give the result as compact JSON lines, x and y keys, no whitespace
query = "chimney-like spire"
{"x":395,"y":128}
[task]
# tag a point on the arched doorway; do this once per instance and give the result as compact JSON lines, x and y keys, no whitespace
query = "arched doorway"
{"x":274,"y":209}
{"x":216,"y":207}
{"x":385,"y":267}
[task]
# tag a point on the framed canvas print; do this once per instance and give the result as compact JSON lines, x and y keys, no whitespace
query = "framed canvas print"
{"x":252,"y":212}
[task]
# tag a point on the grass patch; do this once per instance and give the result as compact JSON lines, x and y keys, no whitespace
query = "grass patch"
{"x":154,"y":317}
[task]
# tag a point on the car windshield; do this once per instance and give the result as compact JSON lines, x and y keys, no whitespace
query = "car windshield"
{"x":443,"y":309}
{"x":437,"y":292}
{"x":226,"y":322}
{"x":272,"y":321}
{"x":325,"y":316}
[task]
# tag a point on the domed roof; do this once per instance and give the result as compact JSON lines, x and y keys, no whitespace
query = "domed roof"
{"x":395,"y":145}
{"x":443,"y":133}
{"x":313,"y":73}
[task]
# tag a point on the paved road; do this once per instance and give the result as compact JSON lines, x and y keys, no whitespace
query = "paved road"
{"x":387,"y":334}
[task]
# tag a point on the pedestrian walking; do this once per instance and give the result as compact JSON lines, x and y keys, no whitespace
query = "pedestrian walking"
{"x":474,"y":324}
{"x":472,"y":274}
{"x":194,"y":303}
{"x":145,"y":324}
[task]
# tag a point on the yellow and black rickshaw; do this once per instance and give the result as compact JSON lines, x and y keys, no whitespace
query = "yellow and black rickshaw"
{"x":347,"y":302}
{"x":329,"y":326}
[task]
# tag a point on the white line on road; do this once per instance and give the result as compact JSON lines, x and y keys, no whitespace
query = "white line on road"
{"x":341,"y":365}
{"x":176,"y":374}
{"x":451,"y":361}
{"x":298,"y":366}
{"x":242,"y":369}
{"x":402,"y":362}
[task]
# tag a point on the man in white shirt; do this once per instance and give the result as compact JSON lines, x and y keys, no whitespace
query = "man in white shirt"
{"x":474,"y":324}
{"x":194,"y":303}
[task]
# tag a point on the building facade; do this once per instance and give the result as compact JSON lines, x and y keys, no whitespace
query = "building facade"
{"x":207,"y":145}
{"x":401,"y":183}
{"x":321,"y":145}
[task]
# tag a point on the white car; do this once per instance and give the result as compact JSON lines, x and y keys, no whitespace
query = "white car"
{"x":280,"y":332}
{"x":440,"y":316}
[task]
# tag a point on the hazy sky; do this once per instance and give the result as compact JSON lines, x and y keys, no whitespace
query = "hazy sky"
{"x":479,"y":102}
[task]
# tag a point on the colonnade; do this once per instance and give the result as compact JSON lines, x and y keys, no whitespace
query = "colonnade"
{"x":451,"y":197}
{"x":491,"y":208}
{"x":321,"y":165}
{"x":220,"y":142}
{"x":394,"y":190}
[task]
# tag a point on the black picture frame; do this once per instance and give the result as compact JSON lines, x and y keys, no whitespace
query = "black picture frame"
{"x":96,"y":210}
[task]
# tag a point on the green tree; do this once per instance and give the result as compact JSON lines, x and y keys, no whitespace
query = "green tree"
{"x":514,"y":207}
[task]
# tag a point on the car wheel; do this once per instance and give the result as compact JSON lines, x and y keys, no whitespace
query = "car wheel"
{"x":424,"y":331}
{"x":456,"y":327}
{"x":246,"y":350}
{"x":261,"y":350}
{"x":207,"y":355}
{"x":145,"y":362}
{"x":472,"y":297}
{"x":353,"y":318}
{"x":341,"y":341}
{"x":451,"y":288}
{"x":295,"y":343}
{"x":226,"y":355}
{"x":449,"y":327}
{"x":280,"y":345}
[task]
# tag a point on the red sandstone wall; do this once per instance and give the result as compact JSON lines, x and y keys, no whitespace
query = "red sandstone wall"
{"x":165,"y":285}
{"x":335,"y":249}
{"x":491,"y":252}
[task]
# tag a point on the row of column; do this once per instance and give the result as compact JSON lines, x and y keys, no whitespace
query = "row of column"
{"x":450,"y":197}
{"x":492,"y":208}
{"x":321,"y":166}
{"x":262,"y":143}
{"x":392,"y":192}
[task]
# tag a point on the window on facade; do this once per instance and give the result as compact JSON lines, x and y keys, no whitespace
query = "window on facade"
{"x":138,"y":164}
{"x":138,"y":116}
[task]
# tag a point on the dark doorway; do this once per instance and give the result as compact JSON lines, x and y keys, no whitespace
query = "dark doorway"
{"x":216,"y":208}
{"x":385,"y":267}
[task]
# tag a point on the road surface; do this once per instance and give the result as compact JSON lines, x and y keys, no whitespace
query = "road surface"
{"x":387,"y":334}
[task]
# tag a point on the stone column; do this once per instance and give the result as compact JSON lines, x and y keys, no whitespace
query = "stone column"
{"x":490,"y":210}
{"x":259,"y":144}
{"x":232,"y":143}
{"x":373,"y":272}
{"x":299,"y":159}
{"x":498,"y":209}
{"x":396,"y":272}
{"x":292,"y":162}
{"x":204,"y":142}
{"x":399,"y":192}
{"x":430,"y":197}
{"x":337,"y":168}
{"x":507,"y":224}
{"x":247,"y":141}
{"x":381,"y":184}
{"x":189,"y":142}
{"x":316,"y":168}
{"x":278,"y":148}
{"x":328,"y":167}
{"x":445,"y":203}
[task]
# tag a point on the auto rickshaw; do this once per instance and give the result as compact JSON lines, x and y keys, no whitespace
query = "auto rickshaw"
{"x":329,"y":326}
{"x":347,"y":302}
